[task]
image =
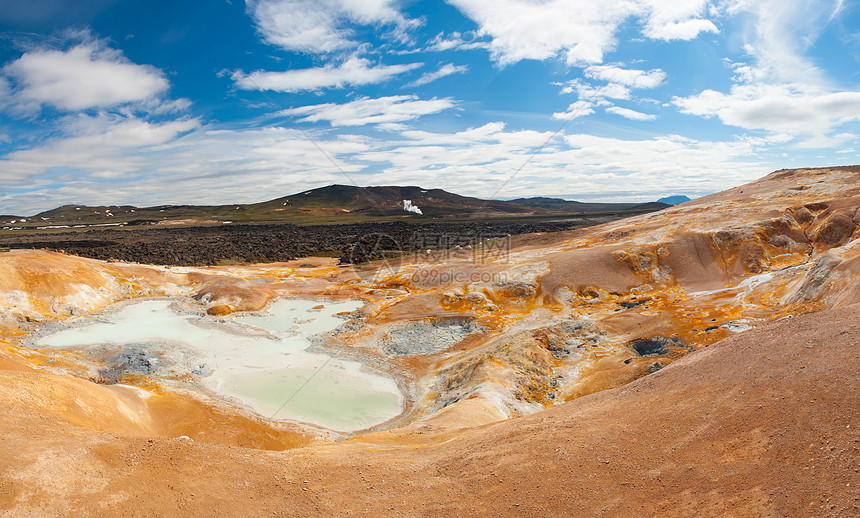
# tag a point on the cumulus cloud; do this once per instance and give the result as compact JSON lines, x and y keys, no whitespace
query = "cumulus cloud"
{"x":323,"y":26}
{"x":577,"y":109}
{"x":676,"y":20}
{"x":353,"y":72}
{"x":104,"y":146}
{"x":581,"y":31}
{"x":110,"y":160}
{"x":618,"y":84}
{"x":631,"y":114}
{"x":780,"y":33}
{"x":781,"y":92}
{"x":596,"y":92}
{"x":445,"y":70}
{"x":365,"y":111}
{"x":828,"y":141}
{"x":477,"y":161}
{"x":167,"y":162}
{"x":631,"y":78}
{"x":455,"y":41}
{"x":86,"y":76}
{"x":775,"y":108}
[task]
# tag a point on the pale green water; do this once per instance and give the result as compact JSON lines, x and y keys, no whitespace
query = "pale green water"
{"x":262,"y":371}
{"x":298,"y":318}
{"x":347,"y":405}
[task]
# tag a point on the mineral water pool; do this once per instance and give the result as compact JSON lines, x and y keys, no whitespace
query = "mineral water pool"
{"x":260,"y":359}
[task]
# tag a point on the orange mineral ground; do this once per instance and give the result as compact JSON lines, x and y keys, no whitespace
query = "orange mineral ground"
{"x":698,"y":361}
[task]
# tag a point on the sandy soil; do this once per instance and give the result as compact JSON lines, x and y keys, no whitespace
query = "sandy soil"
{"x":761,"y":424}
{"x":751,"y":408}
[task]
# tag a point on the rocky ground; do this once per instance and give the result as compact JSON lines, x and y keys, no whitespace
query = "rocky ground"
{"x":699,"y":361}
{"x":762,"y":424}
{"x":210,"y":245}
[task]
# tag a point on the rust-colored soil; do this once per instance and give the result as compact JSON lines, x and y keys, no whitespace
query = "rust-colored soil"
{"x":751,"y":408}
{"x":765,"y":423}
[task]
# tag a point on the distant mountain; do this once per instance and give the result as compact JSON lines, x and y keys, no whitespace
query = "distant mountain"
{"x":325,"y":205}
{"x":569,"y":206}
{"x":382,"y":201}
{"x":332,"y":204}
{"x":651,"y":206}
{"x":674,"y":200}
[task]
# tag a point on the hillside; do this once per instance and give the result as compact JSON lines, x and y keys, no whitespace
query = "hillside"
{"x":762,"y":424}
{"x":696,"y":361}
{"x":333,"y":204}
{"x":568,"y":206}
{"x":383,"y":201}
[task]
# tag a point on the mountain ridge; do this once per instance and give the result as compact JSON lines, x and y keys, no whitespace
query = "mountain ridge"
{"x":333,"y":203}
{"x":562,"y":205}
{"x":676,"y":199}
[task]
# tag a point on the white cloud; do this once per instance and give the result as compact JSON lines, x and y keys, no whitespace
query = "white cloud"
{"x":781,"y":91}
{"x":780,"y":33}
{"x":596,"y":93}
{"x":827,"y":141}
{"x":6,"y":100}
{"x":354,"y":71}
{"x":619,"y":83}
{"x":109,"y":160}
{"x":445,"y":70}
{"x":577,"y":109}
{"x":775,"y":108}
{"x":631,"y":114}
{"x":490,"y":132}
{"x":104,"y":146}
{"x":455,"y":41}
{"x":87,"y":76}
{"x":478,"y":161}
{"x":167,"y":163}
{"x":631,"y":78}
{"x":322,"y":26}
{"x":676,"y":20}
{"x":372,"y":111}
{"x":582,"y":31}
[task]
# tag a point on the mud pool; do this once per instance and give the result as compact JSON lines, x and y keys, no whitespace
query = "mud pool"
{"x":262,"y":360}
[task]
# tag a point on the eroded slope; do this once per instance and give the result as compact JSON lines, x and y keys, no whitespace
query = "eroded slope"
{"x":481,"y":335}
{"x":761,"y":424}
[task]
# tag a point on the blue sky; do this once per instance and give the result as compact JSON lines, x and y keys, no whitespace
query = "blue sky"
{"x":215,"y":101}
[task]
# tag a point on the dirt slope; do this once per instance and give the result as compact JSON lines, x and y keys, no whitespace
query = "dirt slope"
{"x":762,"y":423}
{"x":765,"y":423}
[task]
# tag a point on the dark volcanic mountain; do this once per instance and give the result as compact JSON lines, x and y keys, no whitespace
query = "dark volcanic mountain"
{"x":335,"y":203}
{"x":325,"y":205}
{"x":384,"y":201}
{"x":569,"y":206}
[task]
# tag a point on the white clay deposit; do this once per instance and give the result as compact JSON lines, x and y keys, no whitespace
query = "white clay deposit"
{"x":261,"y":360}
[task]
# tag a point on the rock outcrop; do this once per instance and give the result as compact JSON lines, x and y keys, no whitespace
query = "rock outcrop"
{"x":614,"y":369}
